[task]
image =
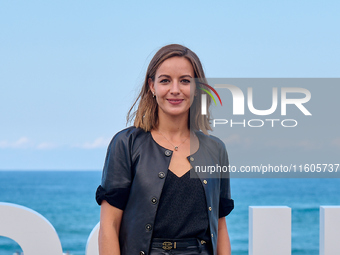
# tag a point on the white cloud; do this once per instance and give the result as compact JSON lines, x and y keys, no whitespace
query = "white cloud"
{"x":246,"y":142}
{"x":100,"y":142}
{"x":236,"y":139}
{"x":21,"y":143}
{"x":46,"y":146}
{"x":26,"y":143}
{"x":307,"y":144}
{"x":286,"y":143}
{"x":3,"y":144}
{"x":336,"y":142}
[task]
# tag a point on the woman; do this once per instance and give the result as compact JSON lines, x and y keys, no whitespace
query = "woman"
{"x":149,"y":203}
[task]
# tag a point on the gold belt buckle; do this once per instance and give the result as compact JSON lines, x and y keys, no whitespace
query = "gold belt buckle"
{"x":167,"y":245}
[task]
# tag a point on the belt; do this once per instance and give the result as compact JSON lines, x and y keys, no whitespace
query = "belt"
{"x":168,"y":244}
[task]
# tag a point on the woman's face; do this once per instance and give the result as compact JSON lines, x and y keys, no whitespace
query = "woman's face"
{"x":172,"y":86}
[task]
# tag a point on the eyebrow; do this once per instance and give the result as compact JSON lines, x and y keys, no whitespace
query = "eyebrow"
{"x":168,"y":76}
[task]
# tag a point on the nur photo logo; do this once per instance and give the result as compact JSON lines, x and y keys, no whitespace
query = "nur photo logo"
{"x":244,"y":101}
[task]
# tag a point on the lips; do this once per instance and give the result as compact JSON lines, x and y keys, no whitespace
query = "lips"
{"x":175,"y":101}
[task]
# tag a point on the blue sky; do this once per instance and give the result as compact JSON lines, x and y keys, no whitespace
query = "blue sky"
{"x":70,"y":70}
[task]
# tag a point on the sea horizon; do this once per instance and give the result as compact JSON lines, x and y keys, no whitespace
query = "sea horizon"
{"x":66,"y":198}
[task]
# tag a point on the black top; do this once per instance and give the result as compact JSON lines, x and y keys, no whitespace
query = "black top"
{"x":182,"y":210}
{"x":133,"y":179}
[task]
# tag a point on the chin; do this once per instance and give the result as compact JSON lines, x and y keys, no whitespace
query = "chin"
{"x":174,"y":112}
{"x":177,"y":113}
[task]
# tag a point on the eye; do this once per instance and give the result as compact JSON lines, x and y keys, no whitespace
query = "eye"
{"x":186,"y":81}
{"x":164,"y":81}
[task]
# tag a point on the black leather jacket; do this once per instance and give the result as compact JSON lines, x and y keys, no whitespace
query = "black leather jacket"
{"x":133,"y":176}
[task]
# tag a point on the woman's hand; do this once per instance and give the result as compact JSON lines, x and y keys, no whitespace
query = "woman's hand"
{"x":223,"y":242}
{"x":108,"y":239}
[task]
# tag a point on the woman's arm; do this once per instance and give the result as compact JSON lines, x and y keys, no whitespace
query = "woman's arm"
{"x":223,"y":242}
{"x":108,"y":239}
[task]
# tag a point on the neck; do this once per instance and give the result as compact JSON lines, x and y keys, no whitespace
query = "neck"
{"x":173,"y":125}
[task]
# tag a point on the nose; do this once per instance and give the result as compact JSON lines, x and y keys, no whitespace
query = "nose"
{"x":175,"y":88}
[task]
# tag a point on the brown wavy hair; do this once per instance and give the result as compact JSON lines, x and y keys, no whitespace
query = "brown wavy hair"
{"x":146,"y":115}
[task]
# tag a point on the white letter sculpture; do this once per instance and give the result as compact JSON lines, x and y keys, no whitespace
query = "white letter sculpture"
{"x":34,"y":233}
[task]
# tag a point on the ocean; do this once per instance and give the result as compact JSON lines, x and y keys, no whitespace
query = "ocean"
{"x":67,"y":200}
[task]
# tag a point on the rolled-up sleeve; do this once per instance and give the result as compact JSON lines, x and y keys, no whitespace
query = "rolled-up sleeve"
{"x":226,"y":203}
{"x":117,"y":176}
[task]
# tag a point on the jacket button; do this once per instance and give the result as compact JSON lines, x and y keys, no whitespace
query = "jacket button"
{"x":192,"y":159}
{"x":210,"y":208}
{"x":161,"y":175}
{"x":154,"y":200}
{"x":141,"y":253}
{"x":212,"y":235}
{"x":205,"y":182}
{"x":148,"y":227}
{"x":167,"y":153}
